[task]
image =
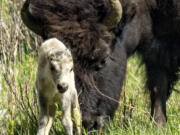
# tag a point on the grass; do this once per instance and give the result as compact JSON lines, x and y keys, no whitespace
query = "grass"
{"x":18,"y":97}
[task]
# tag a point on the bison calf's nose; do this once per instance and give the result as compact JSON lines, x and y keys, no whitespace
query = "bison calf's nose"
{"x":62,"y":87}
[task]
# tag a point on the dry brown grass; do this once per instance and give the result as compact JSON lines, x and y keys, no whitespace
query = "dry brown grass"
{"x":18,"y":95}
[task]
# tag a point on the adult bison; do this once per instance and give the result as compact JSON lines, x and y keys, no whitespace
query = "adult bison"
{"x":83,"y":26}
{"x":100,"y":53}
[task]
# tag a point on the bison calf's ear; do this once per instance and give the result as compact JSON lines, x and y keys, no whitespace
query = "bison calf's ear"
{"x":62,"y":88}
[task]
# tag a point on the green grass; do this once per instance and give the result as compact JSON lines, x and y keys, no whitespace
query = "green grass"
{"x":132,"y":117}
{"x":18,"y":65}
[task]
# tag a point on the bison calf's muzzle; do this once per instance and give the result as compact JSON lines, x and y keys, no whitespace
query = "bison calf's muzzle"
{"x":62,"y":87}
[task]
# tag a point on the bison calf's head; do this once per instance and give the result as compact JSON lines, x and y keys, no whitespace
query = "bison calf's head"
{"x":60,"y":67}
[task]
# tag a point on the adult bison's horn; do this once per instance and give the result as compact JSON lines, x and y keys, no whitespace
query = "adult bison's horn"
{"x":114,"y":16}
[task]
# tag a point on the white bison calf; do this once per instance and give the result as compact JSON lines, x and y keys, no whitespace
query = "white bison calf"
{"x":55,"y":83}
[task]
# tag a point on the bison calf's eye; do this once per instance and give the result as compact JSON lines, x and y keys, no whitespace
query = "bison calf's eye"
{"x":62,"y":88}
{"x":52,"y":68}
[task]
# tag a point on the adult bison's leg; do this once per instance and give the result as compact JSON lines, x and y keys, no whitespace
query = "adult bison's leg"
{"x":158,"y":85}
{"x":162,"y":71}
{"x":157,"y":81}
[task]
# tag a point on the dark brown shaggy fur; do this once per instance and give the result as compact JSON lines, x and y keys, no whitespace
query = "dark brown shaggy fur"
{"x":78,"y":24}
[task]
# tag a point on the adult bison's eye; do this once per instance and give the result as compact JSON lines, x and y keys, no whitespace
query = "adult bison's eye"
{"x":103,"y":62}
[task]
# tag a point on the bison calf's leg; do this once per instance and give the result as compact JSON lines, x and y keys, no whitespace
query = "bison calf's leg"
{"x":158,"y":85}
{"x":46,"y":116}
{"x":76,"y":113}
{"x":66,"y":120}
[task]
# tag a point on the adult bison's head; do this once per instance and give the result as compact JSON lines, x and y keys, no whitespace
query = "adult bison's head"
{"x":83,"y":25}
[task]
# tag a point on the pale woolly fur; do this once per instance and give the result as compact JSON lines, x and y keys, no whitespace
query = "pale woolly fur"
{"x":47,"y":86}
